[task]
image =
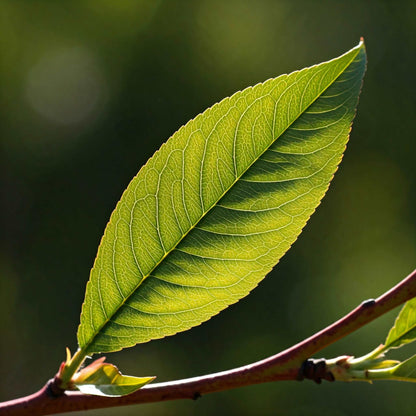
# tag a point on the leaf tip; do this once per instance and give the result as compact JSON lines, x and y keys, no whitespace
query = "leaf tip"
{"x":361,"y":44}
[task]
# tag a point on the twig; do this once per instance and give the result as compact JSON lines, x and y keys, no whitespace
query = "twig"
{"x":283,"y":366}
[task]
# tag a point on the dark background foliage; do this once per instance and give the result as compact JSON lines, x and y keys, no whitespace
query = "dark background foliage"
{"x":90,"y":89}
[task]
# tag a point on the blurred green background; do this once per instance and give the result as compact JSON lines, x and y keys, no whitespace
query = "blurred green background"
{"x":90,"y":89}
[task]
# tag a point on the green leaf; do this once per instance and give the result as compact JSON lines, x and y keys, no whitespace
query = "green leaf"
{"x":382,"y":364}
{"x":405,"y":371}
{"x":103,"y":379}
{"x":219,"y":204}
{"x":404,"y":329}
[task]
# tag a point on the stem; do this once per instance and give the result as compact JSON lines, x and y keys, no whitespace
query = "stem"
{"x":362,"y":362}
{"x":69,"y":370}
{"x":283,"y":366}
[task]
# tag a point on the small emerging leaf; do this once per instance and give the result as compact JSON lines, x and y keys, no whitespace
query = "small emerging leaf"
{"x":218,"y":205}
{"x":383,"y":364}
{"x":103,"y":379}
{"x":68,"y":355}
{"x":404,"y":329}
{"x":406,"y":371}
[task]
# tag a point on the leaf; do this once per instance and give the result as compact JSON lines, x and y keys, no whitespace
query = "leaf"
{"x":382,"y":364}
{"x":103,"y":379}
{"x":218,"y":205}
{"x":404,"y":329}
{"x":405,"y":371}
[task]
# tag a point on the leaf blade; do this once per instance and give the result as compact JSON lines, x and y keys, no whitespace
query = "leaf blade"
{"x":406,"y":371}
{"x":104,"y":379}
{"x":404,"y":329}
{"x":218,"y":205}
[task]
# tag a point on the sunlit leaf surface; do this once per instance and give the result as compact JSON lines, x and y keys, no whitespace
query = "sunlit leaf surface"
{"x":104,"y":379}
{"x":219,"y":204}
{"x":404,"y":329}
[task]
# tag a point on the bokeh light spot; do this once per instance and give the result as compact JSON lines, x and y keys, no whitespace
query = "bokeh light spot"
{"x":66,"y":86}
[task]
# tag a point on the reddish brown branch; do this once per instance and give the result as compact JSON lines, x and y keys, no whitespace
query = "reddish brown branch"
{"x":283,"y":366}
